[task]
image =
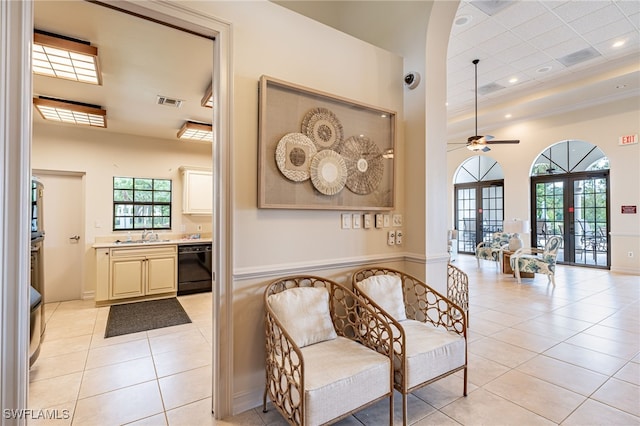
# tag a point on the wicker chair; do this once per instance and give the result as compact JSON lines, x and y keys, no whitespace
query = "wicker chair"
{"x":493,"y":249}
{"x":328,"y":355}
{"x":458,"y":288}
{"x":431,"y":338}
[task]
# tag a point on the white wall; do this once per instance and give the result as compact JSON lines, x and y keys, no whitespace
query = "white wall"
{"x":101,"y":156}
{"x":600,"y":125}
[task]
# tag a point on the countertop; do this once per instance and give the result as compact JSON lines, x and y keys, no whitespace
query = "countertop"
{"x":180,"y":242}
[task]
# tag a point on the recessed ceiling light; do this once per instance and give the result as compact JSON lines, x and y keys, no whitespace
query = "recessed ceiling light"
{"x":507,"y":116}
{"x":196,"y":131}
{"x":64,"y":57}
{"x":618,"y":43}
{"x":513,"y":80}
{"x":544,"y":69}
{"x":71,"y":112}
{"x":462,"y":20}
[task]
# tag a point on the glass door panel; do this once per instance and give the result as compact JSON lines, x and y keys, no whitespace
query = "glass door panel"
{"x":466,"y":219}
{"x":590,"y":221}
{"x":549,"y":213}
{"x":479,"y":213}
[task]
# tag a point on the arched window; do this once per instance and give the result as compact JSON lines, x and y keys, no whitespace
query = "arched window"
{"x":570,"y":197}
{"x":479,"y":202}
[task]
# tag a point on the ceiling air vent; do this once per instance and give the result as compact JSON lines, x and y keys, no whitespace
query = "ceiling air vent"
{"x":490,"y":88}
{"x":163,"y":100}
{"x":491,"y":7}
{"x":579,"y":56}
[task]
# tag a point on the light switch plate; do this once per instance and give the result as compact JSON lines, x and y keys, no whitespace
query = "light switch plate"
{"x":368,"y":221}
{"x":391,"y":238}
{"x":357,"y":221}
{"x":379,"y":220}
{"x":397,"y":220}
{"x":387,"y":220}
{"x":398,"y":237}
{"x":346,"y":220}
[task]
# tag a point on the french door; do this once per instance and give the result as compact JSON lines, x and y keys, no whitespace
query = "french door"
{"x":576,"y":207}
{"x":479,"y":210}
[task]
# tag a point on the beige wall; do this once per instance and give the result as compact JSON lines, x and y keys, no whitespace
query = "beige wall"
{"x":600,"y":125}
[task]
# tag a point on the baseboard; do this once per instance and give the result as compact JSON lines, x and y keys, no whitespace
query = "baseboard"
{"x":247,"y":400}
{"x":626,"y":271}
{"x":88,"y":295}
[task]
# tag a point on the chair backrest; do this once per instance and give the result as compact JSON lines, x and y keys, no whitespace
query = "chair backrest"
{"x":551,"y":248}
{"x":500,"y":239}
{"x":458,"y":287}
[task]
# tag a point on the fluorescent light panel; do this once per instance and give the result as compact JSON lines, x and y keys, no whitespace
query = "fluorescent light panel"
{"x":196,"y":131}
{"x":207,"y":99}
{"x":66,"y":58}
{"x":71,"y":112}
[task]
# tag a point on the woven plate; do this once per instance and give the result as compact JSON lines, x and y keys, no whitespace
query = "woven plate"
{"x":364,"y":164}
{"x":323,"y":128}
{"x":328,"y":172}
{"x":293,"y":156}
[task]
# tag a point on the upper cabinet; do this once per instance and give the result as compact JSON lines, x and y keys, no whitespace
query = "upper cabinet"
{"x":197,"y":196}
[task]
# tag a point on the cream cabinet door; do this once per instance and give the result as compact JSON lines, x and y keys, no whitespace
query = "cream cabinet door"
{"x":197,"y":192}
{"x":128,"y":277}
{"x":161,"y":274}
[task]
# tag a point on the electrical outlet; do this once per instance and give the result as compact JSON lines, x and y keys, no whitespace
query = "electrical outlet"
{"x":357,"y":221}
{"x":630,"y":254}
{"x":368,"y":221}
{"x":397,"y":220}
{"x":386,"y":220}
{"x":391,"y":238}
{"x":199,"y":228}
{"x":398,"y":237}
{"x":379,"y":220}
{"x":346,"y":221}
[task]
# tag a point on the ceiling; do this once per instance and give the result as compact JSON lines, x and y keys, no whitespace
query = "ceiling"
{"x":140,"y":60}
{"x":514,"y":39}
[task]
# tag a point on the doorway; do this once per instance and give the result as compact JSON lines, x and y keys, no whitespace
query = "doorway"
{"x":572,"y":203}
{"x":64,"y":243}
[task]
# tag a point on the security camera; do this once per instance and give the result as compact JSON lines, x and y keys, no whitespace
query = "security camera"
{"x":412,"y":79}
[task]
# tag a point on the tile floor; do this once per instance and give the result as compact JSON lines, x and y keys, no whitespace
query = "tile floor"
{"x":538,"y":354}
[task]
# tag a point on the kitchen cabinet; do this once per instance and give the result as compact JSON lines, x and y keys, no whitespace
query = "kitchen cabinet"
{"x":197,"y":187}
{"x":136,"y":272}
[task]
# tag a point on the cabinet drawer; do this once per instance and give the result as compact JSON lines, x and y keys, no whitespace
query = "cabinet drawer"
{"x":144,"y":251}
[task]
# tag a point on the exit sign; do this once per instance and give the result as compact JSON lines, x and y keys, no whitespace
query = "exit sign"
{"x":628,"y":139}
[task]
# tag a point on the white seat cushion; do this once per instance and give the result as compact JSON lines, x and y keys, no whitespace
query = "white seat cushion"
{"x":304,"y":313}
{"x":431,"y":351}
{"x":341,"y":375}
{"x":386,"y":291}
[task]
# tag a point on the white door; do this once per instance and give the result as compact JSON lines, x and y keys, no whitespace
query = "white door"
{"x":63,"y":207}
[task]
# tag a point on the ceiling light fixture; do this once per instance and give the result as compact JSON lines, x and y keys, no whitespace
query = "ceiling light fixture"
{"x":207,"y":99}
{"x":63,"y":57}
{"x":507,"y":116}
{"x":477,"y":147}
{"x":618,"y":43}
{"x":196,"y":131}
{"x":71,"y":112}
{"x":513,"y":80}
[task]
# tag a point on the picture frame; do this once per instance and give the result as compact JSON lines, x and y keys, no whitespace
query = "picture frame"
{"x":323,"y":152}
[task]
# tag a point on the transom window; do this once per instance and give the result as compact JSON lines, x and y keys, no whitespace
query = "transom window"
{"x":141,"y":203}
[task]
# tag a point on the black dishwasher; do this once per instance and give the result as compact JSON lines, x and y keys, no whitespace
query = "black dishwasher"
{"x":194,"y":268}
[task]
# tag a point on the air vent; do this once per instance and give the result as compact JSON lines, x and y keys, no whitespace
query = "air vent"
{"x":579,"y":56}
{"x":163,"y":100}
{"x":492,"y":7}
{"x":489,"y":88}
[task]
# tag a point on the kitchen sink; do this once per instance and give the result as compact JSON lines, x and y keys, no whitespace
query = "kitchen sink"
{"x":142,"y":241}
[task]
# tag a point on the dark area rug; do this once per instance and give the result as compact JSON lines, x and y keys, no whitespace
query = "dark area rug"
{"x":142,"y":316}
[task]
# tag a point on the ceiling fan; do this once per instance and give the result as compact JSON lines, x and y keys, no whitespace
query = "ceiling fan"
{"x":478,"y":142}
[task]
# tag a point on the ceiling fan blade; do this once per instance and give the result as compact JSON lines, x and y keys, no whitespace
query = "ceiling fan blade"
{"x":502,"y":141}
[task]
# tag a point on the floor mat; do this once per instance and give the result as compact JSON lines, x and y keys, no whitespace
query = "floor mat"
{"x":142,"y":316}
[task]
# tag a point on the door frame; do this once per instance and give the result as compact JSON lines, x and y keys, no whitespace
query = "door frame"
{"x":478,"y":186}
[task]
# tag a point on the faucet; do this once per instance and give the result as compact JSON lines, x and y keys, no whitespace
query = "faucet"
{"x":146,"y":233}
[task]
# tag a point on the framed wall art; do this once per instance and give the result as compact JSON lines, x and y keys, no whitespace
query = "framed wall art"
{"x":324,"y":152}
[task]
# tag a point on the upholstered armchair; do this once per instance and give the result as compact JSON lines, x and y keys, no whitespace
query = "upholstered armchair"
{"x":493,"y":250}
{"x":327,"y":353}
{"x":458,"y":288}
{"x":429,"y":330}
{"x":537,"y":261}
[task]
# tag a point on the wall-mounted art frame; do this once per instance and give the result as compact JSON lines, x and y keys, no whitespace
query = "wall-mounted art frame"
{"x":323,"y":152}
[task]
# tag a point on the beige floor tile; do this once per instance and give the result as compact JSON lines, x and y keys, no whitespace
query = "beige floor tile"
{"x":482,"y":370}
{"x":60,"y":415}
{"x":115,"y":376}
{"x":622,"y":323}
{"x":444,"y":391}
{"x":120,"y":406}
{"x":199,"y":413}
{"x":629,"y":373}
{"x":157,"y":420}
{"x":113,"y":354}
{"x":485,"y":408}
{"x":56,"y":330}
{"x":586,"y":358}
{"x":61,"y":365}
{"x":622,"y":395}
{"x":523,"y":339}
{"x":61,"y":391}
{"x":65,"y":345}
{"x":379,"y":412}
{"x":171,"y":330}
{"x":168,"y":363}
{"x":543,"y":398}
{"x":614,"y":334}
{"x":625,"y":350}
{"x":560,"y":373}
{"x":500,"y":352}
{"x":99,"y":341}
{"x":186,"y":387}
{"x":436,"y":419}
{"x":501,"y":318}
{"x":595,"y":413}
{"x":541,"y":327}
{"x":484,"y":327}
{"x":190,"y":339}
{"x":586,"y":312}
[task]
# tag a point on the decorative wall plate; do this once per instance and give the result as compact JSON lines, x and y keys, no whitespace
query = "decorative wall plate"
{"x":293,"y":156}
{"x":323,"y":128}
{"x":328,"y":172}
{"x":364,"y":163}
